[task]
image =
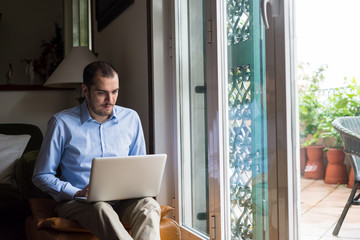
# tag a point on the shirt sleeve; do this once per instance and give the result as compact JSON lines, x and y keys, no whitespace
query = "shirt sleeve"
{"x":48,"y":161}
{"x":138,"y":146}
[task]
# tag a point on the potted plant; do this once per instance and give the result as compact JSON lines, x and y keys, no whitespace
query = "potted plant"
{"x":345,"y":101}
{"x":336,"y":170}
{"x":310,"y":115}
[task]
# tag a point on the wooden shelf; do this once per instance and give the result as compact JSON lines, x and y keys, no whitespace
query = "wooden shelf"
{"x":16,"y":87}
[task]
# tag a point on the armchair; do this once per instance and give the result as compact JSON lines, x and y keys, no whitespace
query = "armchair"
{"x":13,"y":197}
{"x":349,"y":129}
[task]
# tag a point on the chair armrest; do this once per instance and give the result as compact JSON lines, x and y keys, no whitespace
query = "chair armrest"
{"x":169,"y":229}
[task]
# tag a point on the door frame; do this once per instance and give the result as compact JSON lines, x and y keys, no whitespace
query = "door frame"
{"x":282,"y":122}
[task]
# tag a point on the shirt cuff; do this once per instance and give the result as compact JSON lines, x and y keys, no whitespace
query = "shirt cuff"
{"x":69,"y":191}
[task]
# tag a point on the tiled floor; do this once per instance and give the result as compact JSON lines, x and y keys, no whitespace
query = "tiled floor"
{"x":321,"y":206}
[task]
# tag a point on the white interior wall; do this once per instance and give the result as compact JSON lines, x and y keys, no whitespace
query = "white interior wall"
{"x":124,"y":44}
{"x":34,"y":107}
{"x":163,"y":97}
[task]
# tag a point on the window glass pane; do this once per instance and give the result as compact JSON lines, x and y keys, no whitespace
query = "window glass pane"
{"x":76,"y":25}
{"x":80,"y":23}
{"x":192,"y":116}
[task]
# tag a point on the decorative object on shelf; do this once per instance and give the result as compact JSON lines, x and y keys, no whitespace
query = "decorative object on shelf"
{"x":69,"y":74}
{"x":9,"y":74}
{"x":51,"y":55}
{"x":29,"y":72}
{"x":336,"y":170}
{"x":314,"y":168}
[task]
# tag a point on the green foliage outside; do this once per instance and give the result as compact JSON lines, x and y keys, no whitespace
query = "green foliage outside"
{"x":316,"y":115}
{"x":309,"y":104}
{"x":344,"y":102}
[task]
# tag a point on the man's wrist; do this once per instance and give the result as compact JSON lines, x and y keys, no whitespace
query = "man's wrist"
{"x":77,"y":194}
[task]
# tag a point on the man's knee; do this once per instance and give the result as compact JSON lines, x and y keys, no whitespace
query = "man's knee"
{"x":101,"y":207}
{"x":149,"y":204}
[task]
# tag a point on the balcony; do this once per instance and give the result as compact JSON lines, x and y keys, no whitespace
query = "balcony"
{"x":321,"y":206}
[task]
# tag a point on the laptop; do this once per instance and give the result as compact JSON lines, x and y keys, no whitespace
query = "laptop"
{"x":118,"y":178}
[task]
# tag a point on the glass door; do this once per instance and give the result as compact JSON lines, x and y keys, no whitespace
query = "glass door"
{"x":224,"y":73}
{"x":247,"y":163}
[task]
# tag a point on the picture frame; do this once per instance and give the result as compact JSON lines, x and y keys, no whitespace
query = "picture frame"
{"x":107,"y":10}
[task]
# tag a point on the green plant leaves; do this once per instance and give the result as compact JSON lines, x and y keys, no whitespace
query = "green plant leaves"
{"x":316,"y":116}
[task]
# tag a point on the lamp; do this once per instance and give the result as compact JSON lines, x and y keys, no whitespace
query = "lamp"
{"x":69,"y":73}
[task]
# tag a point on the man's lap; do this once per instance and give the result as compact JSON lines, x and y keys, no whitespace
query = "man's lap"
{"x":123,"y":208}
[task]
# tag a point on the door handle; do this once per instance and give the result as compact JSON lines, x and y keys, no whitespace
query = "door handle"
{"x":200,"y":89}
{"x":275,"y":9}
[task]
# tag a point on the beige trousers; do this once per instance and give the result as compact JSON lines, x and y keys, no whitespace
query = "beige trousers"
{"x":105,"y":220}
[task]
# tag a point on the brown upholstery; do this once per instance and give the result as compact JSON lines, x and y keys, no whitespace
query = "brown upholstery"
{"x":44,"y":224}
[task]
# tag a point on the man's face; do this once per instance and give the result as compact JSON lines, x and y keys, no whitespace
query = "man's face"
{"x":102,"y":96}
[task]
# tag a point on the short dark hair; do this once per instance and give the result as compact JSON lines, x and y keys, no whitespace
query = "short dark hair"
{"x":93,"y":69}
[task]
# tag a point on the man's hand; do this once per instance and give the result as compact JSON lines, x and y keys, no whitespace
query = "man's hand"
{"x":82,"y":193}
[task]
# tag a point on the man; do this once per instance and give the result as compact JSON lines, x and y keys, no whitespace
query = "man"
{"x":74,"y":137}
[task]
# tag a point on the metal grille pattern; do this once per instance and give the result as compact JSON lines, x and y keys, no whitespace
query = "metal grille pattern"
{"x":237,"y":21}
{"x":239,"y":100}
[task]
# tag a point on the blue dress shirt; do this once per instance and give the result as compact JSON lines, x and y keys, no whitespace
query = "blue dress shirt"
{"x":74,"y":138}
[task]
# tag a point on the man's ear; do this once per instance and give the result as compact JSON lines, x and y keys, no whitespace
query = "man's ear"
{"x":85,"y":90}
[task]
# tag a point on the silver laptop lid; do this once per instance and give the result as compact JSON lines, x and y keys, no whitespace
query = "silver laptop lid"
{"x":116,"y":178}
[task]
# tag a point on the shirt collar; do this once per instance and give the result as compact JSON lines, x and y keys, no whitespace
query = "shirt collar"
{"x":85,"y":114}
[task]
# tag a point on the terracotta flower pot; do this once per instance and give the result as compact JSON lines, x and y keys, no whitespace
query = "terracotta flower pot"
{"x":336,"y":170}
{"x":314,"y":168}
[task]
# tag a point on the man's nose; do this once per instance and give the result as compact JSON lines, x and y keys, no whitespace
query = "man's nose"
{"x":108,"y":97}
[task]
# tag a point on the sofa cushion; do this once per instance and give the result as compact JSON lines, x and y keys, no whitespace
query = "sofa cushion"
{"x":165,"y":210}
{"x":11,"y":149}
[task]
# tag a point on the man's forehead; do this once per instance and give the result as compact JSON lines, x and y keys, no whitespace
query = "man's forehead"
{"x":106,"y":85}
{"x":100,"y":80}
